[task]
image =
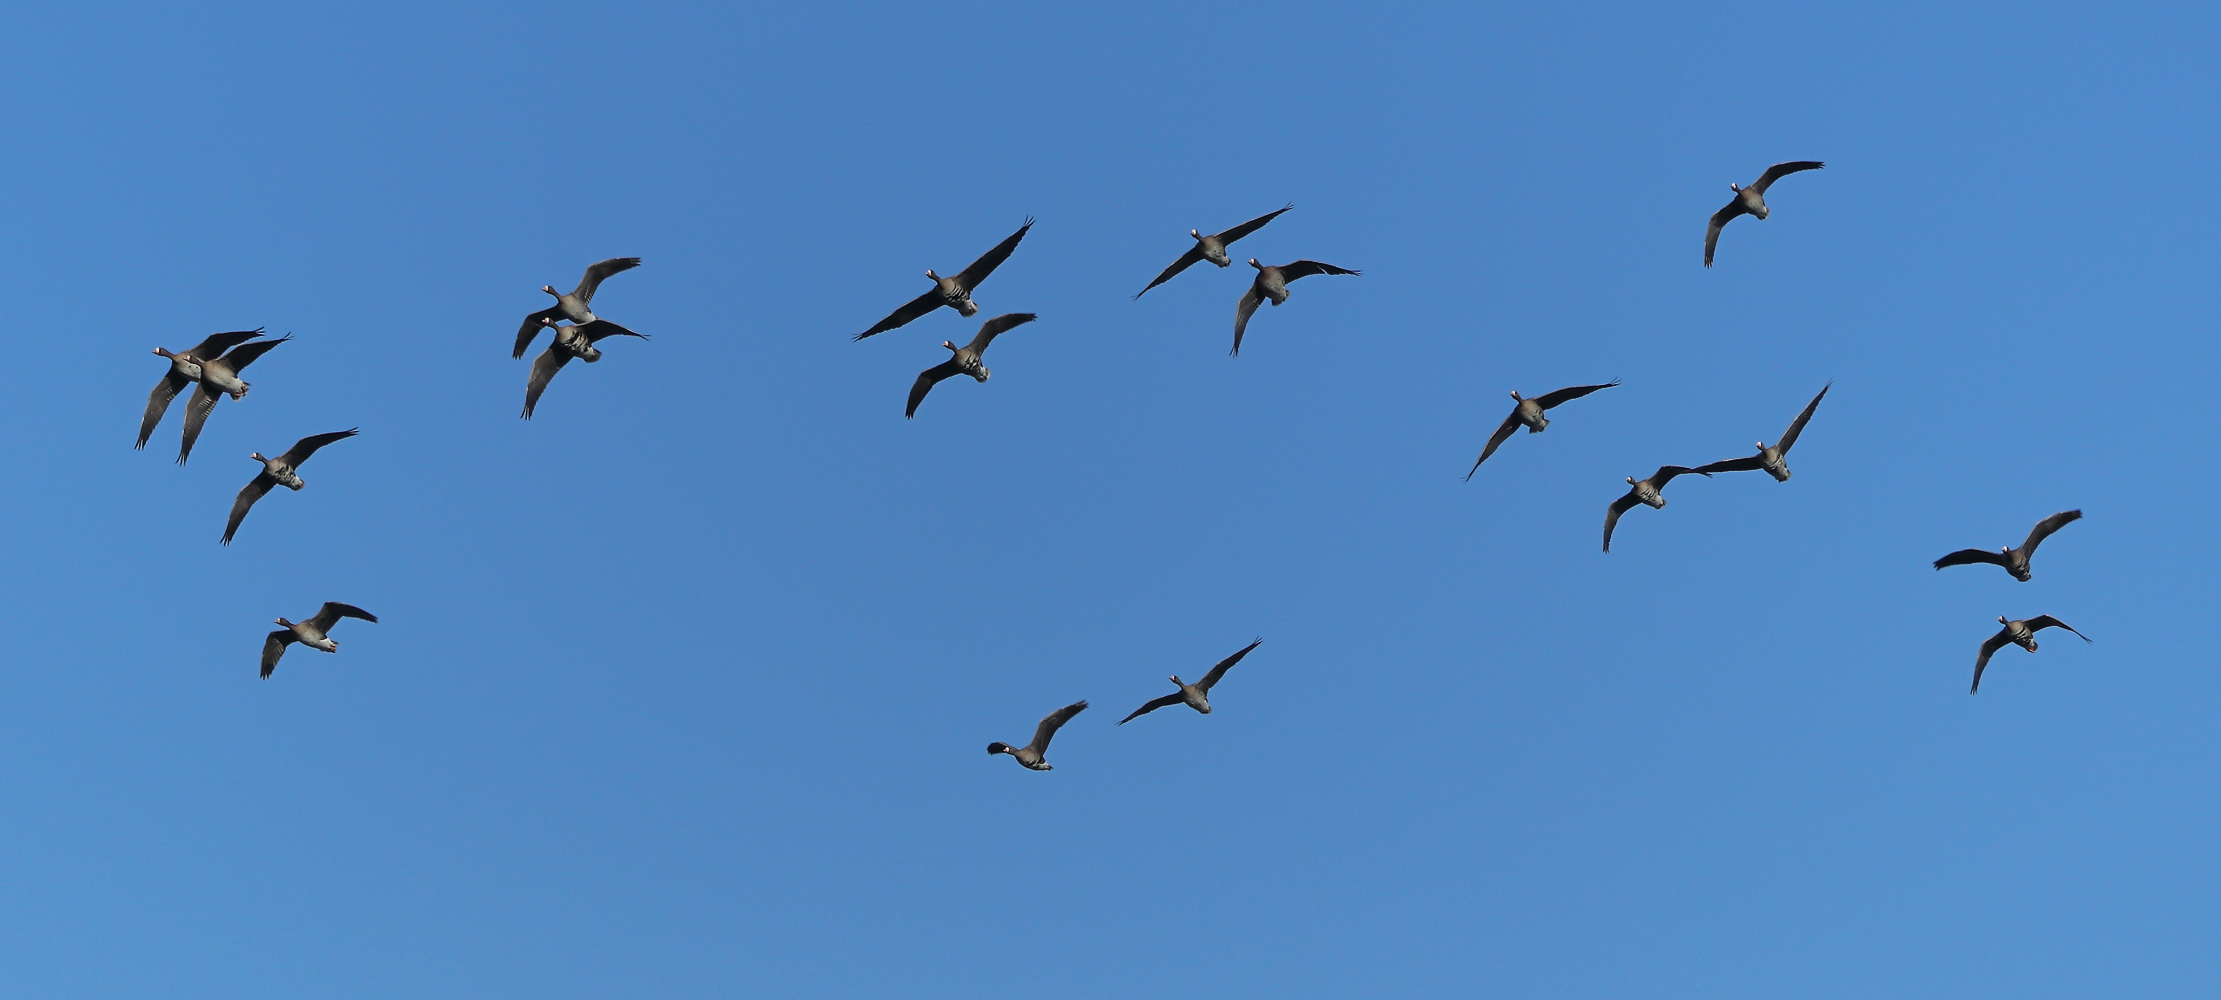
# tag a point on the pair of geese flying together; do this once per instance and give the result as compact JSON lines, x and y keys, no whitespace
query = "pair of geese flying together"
{"x":955,"y":292}
{"x":1772,"y":460}
{"x":576,"y":340}
{"x":1195,"y":696}
{"x":213,"y":365}
{"x":314,"y":633}
{"x":1271,"y":282}
{"x":2020,"y":633}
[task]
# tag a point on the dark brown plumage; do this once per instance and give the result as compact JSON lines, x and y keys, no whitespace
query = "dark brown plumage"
{"x":1529,"y":411}
{"x":2020,"y":633}
{"x":2015,"y":561}
{"x":965,"y":361}
{"x":1196,"y":695}
{"x":279,"y":471}
{"x":1751,"y":200}
{"x":953,"y":292}
{"x":1212,"y":248}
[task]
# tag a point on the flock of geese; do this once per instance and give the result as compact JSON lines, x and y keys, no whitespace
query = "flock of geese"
{"x":213,"y":367}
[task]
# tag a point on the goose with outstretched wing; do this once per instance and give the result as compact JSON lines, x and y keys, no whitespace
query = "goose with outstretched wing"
{"x":576,"y":306}
{"x":1197,"y":695}
{"x":2015,"y":561}
{"x":1642,"y":492}
{"x":1528,"y":410}
{"x":1751,"y":200}
{"x":1031,"y":754}
{"x":2018,"y":633}
{"x":1271,"y":284}
{"x":220,"y":378}
{"x":314,"y":633}
{"x":185,"y":369}
{"x":966,"y":359}
{"x":954,"y":291}
{"x":1212,"y":248}
{"x":1773,"y":461}
{"x":279,"y":471}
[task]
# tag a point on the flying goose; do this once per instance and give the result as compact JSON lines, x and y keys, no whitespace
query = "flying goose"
{"x":1030,"y":754}
{"x":1751,"y":200}
{"x":1197,"y":695}
{"x":278,"y":471}
{"x":1645,"y":491}
{"x":185,"y":369}
{"x":2015,"y":561}
{"x":1774,"y":460}
{"x":953,"y":292}
{"x":1272,"y":283}
{"x":966,"y":360}
{"x":1529,"y":411}
{"x":570,"y":342}
{"x":2020,"y":633}
{"x":313,"y":633}
{"x":220,"y":376}
{"x":573,"y":307}
{"x":1212,"y":248}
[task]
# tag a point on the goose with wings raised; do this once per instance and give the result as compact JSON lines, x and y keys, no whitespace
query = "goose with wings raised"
{"x":966,"y":360}
{"x":1031,"y":754}
{"x":1272,"y":283}
{"x":314,"y":633}
{"x":1197,"y":695}
{"x":954,"y":291}
{"x":2019,"y":633}
{"x":279,"y":471}
{"x":2015,"y":561}
{"x":576,"y":305}
{"x":1644,"y":492}
{"x":1528,"y":411}
{"x":185,"y":369}
{"x":1212,"y":248}
{"x":570,"y":342}
{"x":220,"y":378}
{"x":1751,"y":200}
{"x":1773,"y":461}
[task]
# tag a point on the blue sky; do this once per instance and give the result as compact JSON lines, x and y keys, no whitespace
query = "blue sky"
{"x":681,"y":688}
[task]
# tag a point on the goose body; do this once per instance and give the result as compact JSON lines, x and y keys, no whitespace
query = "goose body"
{"x":965,"y":360}
{"x":1197,"y":695}
{"x":570,"y":342}
{"x":953,"y":291}
{"x":1528,"y":412}
{"x":1212,"y":248}
{"x":220,"y":378}
{"x":185,"y":369}
{"x":575,"y":305}
{"x":1645,"y":492}
{"x":2017,"y":633}
{"x":314,"y":633}
{"x":2015,"y":561}
{"x":1774,"y":460}
{"x":276,"y":472}
{"x":1271,"y":284}
{"x":1031,"y":755}
{"x":1750,"y":200}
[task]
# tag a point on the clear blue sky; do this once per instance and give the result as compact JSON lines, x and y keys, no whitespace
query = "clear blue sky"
{"x":682,"y":687}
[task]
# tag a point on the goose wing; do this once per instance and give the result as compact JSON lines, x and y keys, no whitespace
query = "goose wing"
{"x":1989,"y":646}
{"x":1797,"y":426}
{"x":1665,"y":474}
{"x":1781,"y":170}
{"x":1223,"y":665}
{"x":1720,"y":218}
{"x":993,"y":328}
{"x":1611,"y":516}
{"x":255,"y":490}
{"x":1306,"y":268}
{"x":1748,"y":463}
{"x":2041,"y":622}
{"x":910,"y":310}
{"x":1154,"y":704}
{"x":927,"y":379}
{"x":532,"y":325}
{"x":599,"y":270}
{"x":274,"y":647}
{"x":601,"y":328}
{"x":218,"y":343}
{"x":1251,"y":226}
{"x":158,"y":403}
{"x":2044,"y":528}
{"x":197,"y":410}
{"x":332,"y":611}
{"x":970,"y":277}
{"x":1550,"y":399}
{"x":1242,"y":313}
{"x":1187,"y":260}
{"x":1968,"y":557}
{"x":307,"y":446}
{"x":1503,"y":430}
{"x":544,"y":368}
{"x":243,"y":355}
{"x":1054,"y":721}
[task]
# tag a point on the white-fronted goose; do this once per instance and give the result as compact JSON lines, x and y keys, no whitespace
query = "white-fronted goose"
{"x":1644,"y":492}
{"x":1196,"y":695}
{"x":966,"y":360}
{"x":313,"y":633}
{"x":570,"y":342}
{"x":1775,"y":460}
{"x":278,"y":471}
{"x":1272,"y":283}
{"x":1030,"y":754}
{"x":220,"y":377}
{"x":575,"y":306}
{"x":953,"y":292}
{"x":185,"y":369}
{"x":1212,"y":248}
{"x":1529,"y":411}
{"x":1751,"y":200}
{"x":2019,"y":633}
{"x":2015,"y":561}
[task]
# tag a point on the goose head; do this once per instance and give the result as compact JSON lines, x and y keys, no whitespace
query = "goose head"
{"x":282,"y":623}
{"x":1515,"y":395}
{"x":1253,"y":263}
{"x":1630,"y":480}
{"x":1737,"y":188}
{"x":1195,"y":234}
{"x":929,"y":273}
{"x":257,"y":456}
{"x":550,"y":289}
{"x":951,"y":345}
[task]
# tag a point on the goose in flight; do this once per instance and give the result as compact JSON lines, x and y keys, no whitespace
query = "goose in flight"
{"x":1197,"y":695}
{"x":278,"y":471}
{"x":966,"y":360}
{"x":570,"y":342}
{"x":220,"y":377}
{"x":2020,"y":633}
{"x":1645,"y":492}
{"x":1751,"y":200}
{"x":1775,"y":460}
{"x":1030,"y":754}
{"x":185,"y":369}
{"x":1272,"y":283}
{"x":314,"y":633}
{"x":953,"y":292}
{"x":1528,"y":410}
{"x":2015,"y":561}
{"x":573,"y":307}
{"x":1212,"y":248}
